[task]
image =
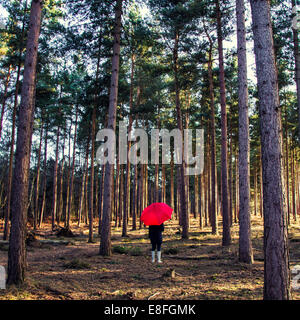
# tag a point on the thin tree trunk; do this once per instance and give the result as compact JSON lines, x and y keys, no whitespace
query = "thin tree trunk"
{"x":214,"y":217}
{"x":200,"y":203}
{"x":261,"y":188}
{"x":73,"y":168}
{"x":182,"y":187}
{"x":237,"y":213}
{"x":43,"y":204}
{"x":230,"y":175}
{"x":276,"y":256}
{"x":226,"y":239}
{"x":67,"y":217}
{"x":54,"y":194}
{"x":117,"y":203}
{"x":287,"y":167}
{"x":172,"y":180}
{"x":100,"y":205}
{"x":61,"y":184}
{"x":81,"y":199}
{"x":93,"y":133}
{"x":17,"y":261}
{"x":127,"y":178}
{"x":245,"y":245}
{"x":105,"y":241}
{"x":135,"y":196}
{"x":37,"y":183}
{"x":255,"y":191}
{"x":293,"y":186}
{"x":121,"y":194}
{"x":196,"y":196}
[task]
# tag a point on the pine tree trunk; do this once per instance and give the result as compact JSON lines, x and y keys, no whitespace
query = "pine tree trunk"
{"x":43,"y":204}
{"x":293,"y":187}
{"x":117,"y":198}
{"x":146,"y":191}
{"x":17,"y":251}
{"x":276,"y":259}
{"x":230,"y":176}
{"x":67,"y":217}
{"x":73,"y":168}
{"x":172,"y":181}
{"x":100,"y":205}
{"x":226,"y":239}
{"x":105,"y":241}
{"x":61,"y":184}
{"x":37,"y":183}
{"x":287,"y":178}
{"x":121,"y":193}
{"x":196,"y":196}
{"x":127,"y":179}
{"x":181,"y":183}
{"x":135,"y":197}
{"x":237,"y":212}
{"x":200,"y":203}
{"x":81,"y":199}
{"x":255,"y":191}
{"x":54,"y":190}
{"x":214,"y":217}
{"x":245,"y":245}
{"x":261,"y":193}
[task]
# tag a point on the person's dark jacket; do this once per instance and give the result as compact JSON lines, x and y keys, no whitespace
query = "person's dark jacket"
{"x":155,"y":233}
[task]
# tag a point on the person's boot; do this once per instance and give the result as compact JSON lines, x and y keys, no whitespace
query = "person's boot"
{"x":159,"y":257}
{"x":153,"y":256}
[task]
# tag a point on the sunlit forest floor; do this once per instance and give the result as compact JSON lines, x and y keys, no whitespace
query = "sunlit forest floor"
{"x":197,"y":268}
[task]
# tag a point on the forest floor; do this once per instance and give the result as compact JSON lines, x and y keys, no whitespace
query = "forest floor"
{"x":197,"y":268}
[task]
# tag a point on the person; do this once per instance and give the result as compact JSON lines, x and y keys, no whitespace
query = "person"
{"x":155,"y":235}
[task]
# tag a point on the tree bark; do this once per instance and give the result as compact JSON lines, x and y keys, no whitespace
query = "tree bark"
{"x":67,"y":217}
{"x":73,"y":167}
{"x":61,"y":184}
{"x":276,"y":256}
{"x":245,"y":245}
{"x":54,"y":193}
{"x":85,"y":172}
{"x":293,"y":186}
{"x":214,"y":222}
{"x":43,"y":204}
{"x":37,"y":183}
{"x":105,"y":241}
{"x":127,"y":189}
{"x":226,"y":239}
{"x":17,"y":262}
{"x":181,"y":181}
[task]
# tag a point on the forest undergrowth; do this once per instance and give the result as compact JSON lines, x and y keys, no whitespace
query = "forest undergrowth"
{"x":68,"y":268}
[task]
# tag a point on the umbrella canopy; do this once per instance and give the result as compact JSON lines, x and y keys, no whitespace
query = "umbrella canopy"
{"x":156,"y":214}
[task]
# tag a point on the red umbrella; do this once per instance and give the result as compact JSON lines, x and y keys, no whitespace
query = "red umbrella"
{"x":156,"y":214}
